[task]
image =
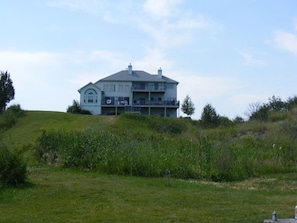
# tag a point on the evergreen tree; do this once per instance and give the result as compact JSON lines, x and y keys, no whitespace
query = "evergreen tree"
{"x":209,"y":117}
{"x":188,"y":106}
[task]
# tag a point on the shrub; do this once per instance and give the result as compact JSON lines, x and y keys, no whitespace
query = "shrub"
{"x":17,"y":110}
{"x":9,"y":117}
{"x":76,"y":109}
{"x":13,"y":170}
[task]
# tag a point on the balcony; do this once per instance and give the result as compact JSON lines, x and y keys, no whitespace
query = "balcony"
{"x":110,"y":102}
{"x":141,"y":103}
{"x":148,"y":88}
{"x":164,"y":103}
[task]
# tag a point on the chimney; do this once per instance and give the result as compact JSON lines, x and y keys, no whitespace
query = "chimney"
{"x":130,"y":69}
{"x":160,"y":73}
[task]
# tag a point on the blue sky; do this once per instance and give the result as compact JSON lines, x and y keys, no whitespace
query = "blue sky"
{"x":228,"y":53}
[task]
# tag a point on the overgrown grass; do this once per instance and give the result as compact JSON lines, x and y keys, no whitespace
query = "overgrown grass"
{"x":59,"y":195}
{"x":147,"y":146}
{"x":218,"y":155}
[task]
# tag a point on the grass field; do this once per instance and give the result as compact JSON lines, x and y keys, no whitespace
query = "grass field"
{"x":55,"y":194}
{"x":29,"y":127}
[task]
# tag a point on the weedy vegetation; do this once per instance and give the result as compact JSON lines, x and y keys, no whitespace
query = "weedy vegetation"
{"x":78,"y":168}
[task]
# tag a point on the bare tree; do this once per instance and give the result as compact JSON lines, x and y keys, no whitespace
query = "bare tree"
{"x":252,"y":109}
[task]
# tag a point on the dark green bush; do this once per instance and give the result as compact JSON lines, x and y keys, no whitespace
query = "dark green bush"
{"x":76,"y":109}
{"x":9,"y":117}
{"x":16,"y":110}
{"x":13,"y":169}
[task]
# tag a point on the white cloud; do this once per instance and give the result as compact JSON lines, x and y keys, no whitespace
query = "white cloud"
{"x":160,"y":9}
{"x":252,"y":58}
{"x":90,"y":6}
{"x":114,"y":60}
{"x":12,"y":58}
{"x":172,"y":33}
{"x":168,"y":24}
{"x":154,"y":58}
{"x":45,"y":80}
{"x":286,"y":41}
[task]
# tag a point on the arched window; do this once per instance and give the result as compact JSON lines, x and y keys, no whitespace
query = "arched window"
{"x":90,"y":96}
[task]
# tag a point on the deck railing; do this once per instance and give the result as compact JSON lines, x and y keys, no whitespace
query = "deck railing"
{"x":146,"y":103}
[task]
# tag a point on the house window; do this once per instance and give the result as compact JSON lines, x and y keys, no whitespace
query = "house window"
{"x":151,"y":86}
{"x":126,"y":88}
{"x":106,"y":87}
{"x":120,"y":88}
{"x":90,"y":96}
{"x":161,"y":86}
{"x":109,"y":87}
{"x":170,"y":86}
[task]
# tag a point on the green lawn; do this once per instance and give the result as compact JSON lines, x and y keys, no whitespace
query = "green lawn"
{"x":63,"y":195}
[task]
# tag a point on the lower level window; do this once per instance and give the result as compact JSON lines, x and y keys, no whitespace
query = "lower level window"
{"x":90,"y":96}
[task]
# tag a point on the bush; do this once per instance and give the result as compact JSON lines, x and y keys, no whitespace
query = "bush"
{"x":9,"y":117}
{"x":13,"y":170}
{"x":76,"y":109}
{"x":16,"y":110}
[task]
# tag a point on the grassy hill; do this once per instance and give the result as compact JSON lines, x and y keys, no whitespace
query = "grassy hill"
{"x":146,"y":146}
{"x":120,"y":145}
{"x":29,"y":127}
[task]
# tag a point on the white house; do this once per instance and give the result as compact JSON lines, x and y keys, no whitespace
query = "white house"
{"x":131,"y":91}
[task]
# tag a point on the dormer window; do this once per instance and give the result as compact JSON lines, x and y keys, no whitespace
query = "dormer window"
{"x":90,"y":96}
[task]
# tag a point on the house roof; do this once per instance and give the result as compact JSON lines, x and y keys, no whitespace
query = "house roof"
{"x":88,"y":85}
{"x":137,"y":76}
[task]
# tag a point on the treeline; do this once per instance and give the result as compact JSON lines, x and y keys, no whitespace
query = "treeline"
{"x":267,"y":111}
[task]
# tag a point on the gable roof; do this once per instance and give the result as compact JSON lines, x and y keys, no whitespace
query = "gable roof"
{"x":137,"y":76}
{"x":88,"y":85}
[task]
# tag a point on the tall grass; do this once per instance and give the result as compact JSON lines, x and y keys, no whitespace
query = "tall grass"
{"x":217,"y":155}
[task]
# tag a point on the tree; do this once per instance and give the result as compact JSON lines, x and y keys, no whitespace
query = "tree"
{"x":188,"y":106}
{"x":238,"y":120}
{"x":225,"y":121}
{"x":252,"y":109}
{"x":209,"y":117}
{"x":276,"y":104}
{"x":6,"y":90}
{"x":74,"y":108}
